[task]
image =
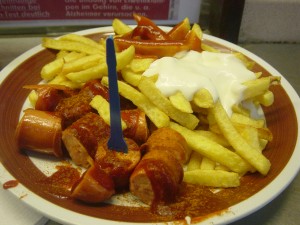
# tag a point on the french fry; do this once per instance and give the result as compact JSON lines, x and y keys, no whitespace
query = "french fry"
{"x":207,"y":164}
{"x":149,"y":89}
{"x":212,"y":150}
{"x":203,"y":99}
{"x":62,"y":80}
{"x":195,"y":161}
{"x":102,"y":106}
{"x":50,"y":70}
{"x":221,"y":167}
{"x":96,"y":72}
{"x":238,"y":108}
{"x":212,"y":178}
{"x":250,"y":134}
{"x":180,"y":102}
{"x":239,"y":118}
{"x":258,"y":74}
{"x":58,"y":79}
{"x":197,"y":30}
{"x":82,"y":63}
{"x":259,"y":86}
{"x":214,"y":137}
{"x":255,"y":158}
{"x":32,"y":97}
{"x":73,"y":56}
{"x":194,"y":38}
{"x":69,"y":46}
{"x":120,"y":27}
{"x":263,"y":143}
{"x":83,"y":40}
{"x":265,"y":99}
{"x":139,"y":65}
{"x":131,"y":77}
{"x":248,"y":63}
{"x":263,"y":132}
{"x":179,"y":31}
{"x":61,"y":54}
{"x":208,"y":48}
{"x":125,"y":57}
{"x":158,"y":117}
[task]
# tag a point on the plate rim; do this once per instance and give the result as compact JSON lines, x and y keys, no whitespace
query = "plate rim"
{"x":233,"y":213}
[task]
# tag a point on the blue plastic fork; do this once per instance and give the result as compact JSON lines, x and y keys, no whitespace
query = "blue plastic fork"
{"x":116,"y":141}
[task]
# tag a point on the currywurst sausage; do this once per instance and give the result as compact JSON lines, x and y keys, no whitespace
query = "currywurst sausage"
{"x":137,"y":127}
{"x":109,"y":173}
{"x":159,"y":174}
{"x":49,"y":95}
{"x":118,"y":165}
{"x":40,"y":131}
{"x":75,"y":106}
{"x":82,"y":137}
{"x":168,"y":140}
{"x":94,"y":186}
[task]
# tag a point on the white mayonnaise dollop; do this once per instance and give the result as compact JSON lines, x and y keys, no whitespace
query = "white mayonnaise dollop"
{"x":222,"y":74}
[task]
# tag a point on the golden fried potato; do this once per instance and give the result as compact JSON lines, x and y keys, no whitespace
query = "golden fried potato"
{"x":120,"y":27}
{"x":82,"y":63}
{"x":213,"y":150}
{"x":203,"y":99}
{"x":242,"y":119}
{"x":69,"y":46}
{"x":149,"y":89}
{"x":50,"y":70}
{"x":83,"y":40}
{"x":195,"y":161}
{"x":96,"y":72}
{"x":180,"y":102}
{"x":140,"y":65}
{"x":259,"y":86}
{"x":158,"y":117}
{"x":212,"y":178}
{"x":102,"y":106}
{"x":240,"y":145}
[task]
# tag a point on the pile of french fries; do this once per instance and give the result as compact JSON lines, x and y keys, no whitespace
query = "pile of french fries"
{"x":223,"y":148}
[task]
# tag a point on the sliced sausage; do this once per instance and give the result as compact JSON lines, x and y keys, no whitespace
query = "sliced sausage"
{"x":49,"y":95}
{"x":159,"y":174}
{"x":82,"y":137}
{"x":118,"y":165}
{"x":169,"y":140}
{"x":156,"y":178}
{"x":74,"y":107}
{"x":94,"y":186}
{"x":137,"y":127}
{"x":40,"y":131}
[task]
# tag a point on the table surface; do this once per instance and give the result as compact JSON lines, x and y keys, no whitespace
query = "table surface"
{"x":285,"y":209}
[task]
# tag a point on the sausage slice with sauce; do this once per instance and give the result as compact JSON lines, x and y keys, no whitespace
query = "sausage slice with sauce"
{"x":94,"y":186}
{"x":82,"y":137}
{"x":118,"y":165}
{"x":40,"y":131}
{"x":158,"y":175}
